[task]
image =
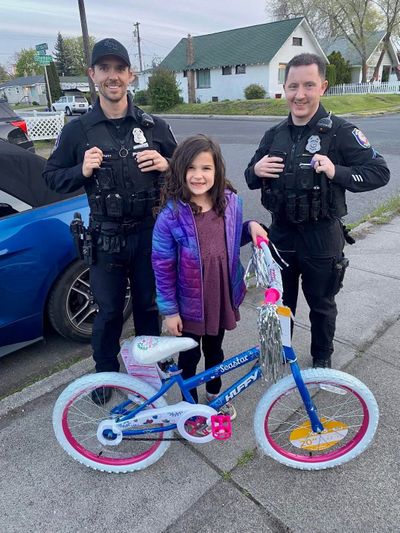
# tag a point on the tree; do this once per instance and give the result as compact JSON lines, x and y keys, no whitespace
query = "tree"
{"x":4,"y":75}
{"x":62,"y":58}
{"x":163,"y":90}
{"x":25,"y":64}
{"x":54,"y":82}
{"x":390,"y":10}
{"x":74,"y":49}
{"x":342,"y":68}
{"x":354,"y":20}
{"x":331,"y":75}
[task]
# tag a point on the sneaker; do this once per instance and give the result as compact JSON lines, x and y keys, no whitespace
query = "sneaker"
{"x":321,"y":363}
{"x":227,"y":409}
{"x":101,"y":395}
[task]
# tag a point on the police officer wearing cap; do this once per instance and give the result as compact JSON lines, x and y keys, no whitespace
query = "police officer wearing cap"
{"x":118,"y":154}
{"x":303,"y":167}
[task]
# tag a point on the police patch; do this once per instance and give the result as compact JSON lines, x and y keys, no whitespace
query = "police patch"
{"x":138,"y":136}
{"x":313,"y":144}
{"x":361,"y":138}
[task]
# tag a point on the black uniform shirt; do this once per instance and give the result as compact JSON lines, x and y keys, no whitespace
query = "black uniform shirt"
{"x":63,"y":170}
{"x":358,"y":167}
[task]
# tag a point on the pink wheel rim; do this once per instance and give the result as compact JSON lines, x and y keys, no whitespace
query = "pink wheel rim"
{"x":103,"y":459}
{"x":330,"y":456}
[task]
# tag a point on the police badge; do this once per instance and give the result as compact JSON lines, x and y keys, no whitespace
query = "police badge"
{"x":139,"y":136}
{"x":313,"y":144}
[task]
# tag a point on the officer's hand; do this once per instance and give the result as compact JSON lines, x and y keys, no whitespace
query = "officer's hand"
{"x":256,"y":230}
{"x":174,"y":325}
{"x":151,"y":160}
{"x":92,"y":160}
{"x":269,"y":167}
{"x":322,"y":163}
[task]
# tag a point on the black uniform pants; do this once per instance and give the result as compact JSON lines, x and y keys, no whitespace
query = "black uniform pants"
{"x":213,"y":355}
{"x":312,"y":251}
{"x":108,"y":282}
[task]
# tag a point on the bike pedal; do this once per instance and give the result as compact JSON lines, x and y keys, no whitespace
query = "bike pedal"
{"x":221,"y":427}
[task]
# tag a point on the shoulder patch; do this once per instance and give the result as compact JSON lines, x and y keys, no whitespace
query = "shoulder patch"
{"x":361,"y":138}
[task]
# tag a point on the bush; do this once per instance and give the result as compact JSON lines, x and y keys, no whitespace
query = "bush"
{"x":141,"y":98}
{"x":163,"y":90}
{"x":254,"y":91}
{"x":331,"y":75}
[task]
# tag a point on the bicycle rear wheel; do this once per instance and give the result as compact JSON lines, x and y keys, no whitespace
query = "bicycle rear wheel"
{"x":77,"y":419}
{"x":345,"y":406}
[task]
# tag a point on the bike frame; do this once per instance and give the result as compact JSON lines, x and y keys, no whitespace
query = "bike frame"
{"x":237,"y":388}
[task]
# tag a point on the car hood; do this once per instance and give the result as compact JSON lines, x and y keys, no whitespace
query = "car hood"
{"x":21,"y":176}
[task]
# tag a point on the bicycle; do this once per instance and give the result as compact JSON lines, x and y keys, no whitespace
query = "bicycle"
{"x":312,"y":419}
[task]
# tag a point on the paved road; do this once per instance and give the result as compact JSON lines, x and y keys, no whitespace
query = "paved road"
{"x":239,"y":140}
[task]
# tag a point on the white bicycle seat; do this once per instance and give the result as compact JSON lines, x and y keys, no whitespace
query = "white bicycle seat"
{"x":147,"y":349}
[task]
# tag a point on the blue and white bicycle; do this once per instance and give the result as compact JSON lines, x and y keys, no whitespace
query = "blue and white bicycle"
{"x":311,"y":419}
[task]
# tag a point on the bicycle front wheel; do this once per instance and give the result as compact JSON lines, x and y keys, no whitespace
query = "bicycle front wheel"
{"x":78,"y":419}
{"x":345,"y":406}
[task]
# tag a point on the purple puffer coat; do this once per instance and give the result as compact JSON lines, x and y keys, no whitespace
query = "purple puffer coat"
{"x":177,"y":262}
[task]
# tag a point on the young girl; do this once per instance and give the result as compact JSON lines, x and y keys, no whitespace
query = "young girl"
{"x":196,"y":246}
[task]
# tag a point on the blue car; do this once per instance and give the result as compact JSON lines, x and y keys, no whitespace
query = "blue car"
{"x":41,"y":277}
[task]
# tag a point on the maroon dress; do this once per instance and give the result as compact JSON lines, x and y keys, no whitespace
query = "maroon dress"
{"x":218,"y":309}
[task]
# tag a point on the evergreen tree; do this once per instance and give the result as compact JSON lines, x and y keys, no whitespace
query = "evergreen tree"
{"x":62,"y":57}
{"x":54,"y":82}
{"x":163,"y":90}
{"x":342,"y":68}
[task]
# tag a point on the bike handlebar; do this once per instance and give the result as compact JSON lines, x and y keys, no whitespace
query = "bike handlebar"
{"x":274,"y":293}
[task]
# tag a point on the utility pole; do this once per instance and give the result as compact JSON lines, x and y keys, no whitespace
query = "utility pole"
{"x":190,"y":73}
{"x":137,"y":35}
{"x":85,"y":36}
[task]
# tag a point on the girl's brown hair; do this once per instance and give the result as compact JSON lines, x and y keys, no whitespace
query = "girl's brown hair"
{"x":175,"y":187}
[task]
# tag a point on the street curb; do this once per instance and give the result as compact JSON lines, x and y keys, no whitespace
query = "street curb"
{"x":44,"y":386}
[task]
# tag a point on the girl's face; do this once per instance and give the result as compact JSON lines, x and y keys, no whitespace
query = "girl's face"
{"x":200,"y":176}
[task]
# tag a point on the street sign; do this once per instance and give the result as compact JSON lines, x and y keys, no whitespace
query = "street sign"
{"x":41,"y":46}
{"x":43,"y":60}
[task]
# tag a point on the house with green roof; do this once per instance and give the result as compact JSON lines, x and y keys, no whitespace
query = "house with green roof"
{"x":225,"y":63}
{"x":390,"y":63}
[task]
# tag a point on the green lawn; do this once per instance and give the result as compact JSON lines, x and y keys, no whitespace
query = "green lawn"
{"x":368,"y":103}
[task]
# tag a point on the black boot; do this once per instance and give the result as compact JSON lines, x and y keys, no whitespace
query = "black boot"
{"x":101,"y":395}
{"x":321,"y":363}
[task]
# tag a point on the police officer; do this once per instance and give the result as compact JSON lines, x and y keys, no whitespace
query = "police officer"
{"x":118,"y":154}
{"x":303,"y":167}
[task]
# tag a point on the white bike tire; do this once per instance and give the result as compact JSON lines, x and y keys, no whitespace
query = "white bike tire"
{"x":317,"y":376}
{"x":94,"y":381}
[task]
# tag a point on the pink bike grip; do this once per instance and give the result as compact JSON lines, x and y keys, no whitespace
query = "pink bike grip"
{"x":260,"y":240}
{"x":271,"y":296}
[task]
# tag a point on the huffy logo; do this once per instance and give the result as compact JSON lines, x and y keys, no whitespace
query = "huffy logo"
{"x":111,"y":45}
{"x":241,"y":387}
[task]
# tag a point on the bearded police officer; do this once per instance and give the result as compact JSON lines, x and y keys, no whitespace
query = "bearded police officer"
{"x":303,"y":167}
{"x":118,"y":154}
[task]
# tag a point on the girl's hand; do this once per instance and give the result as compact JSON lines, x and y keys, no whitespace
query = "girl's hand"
{"x":174,"y":325}
{"x":256,"y":230}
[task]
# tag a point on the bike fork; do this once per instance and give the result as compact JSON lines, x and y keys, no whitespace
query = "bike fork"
{"x":291,"y":357}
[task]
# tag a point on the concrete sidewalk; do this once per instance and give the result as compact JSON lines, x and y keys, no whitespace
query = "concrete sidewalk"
{"x":227,"y":486}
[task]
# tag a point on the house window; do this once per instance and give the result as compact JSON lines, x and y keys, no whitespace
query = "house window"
{"x":281,"y":72}
{"x":226,"y":71}
{"x":297,"y":41}
{"x":185,"y":73}
{"x":203,"y":78}
{"x":240,"y":69}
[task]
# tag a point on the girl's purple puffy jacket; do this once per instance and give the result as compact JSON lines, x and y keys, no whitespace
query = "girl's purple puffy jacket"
{"x":177,"y":262}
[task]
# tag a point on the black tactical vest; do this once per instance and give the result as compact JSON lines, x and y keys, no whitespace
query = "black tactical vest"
{"x":300,"y":194}
{"x":119,"y":191}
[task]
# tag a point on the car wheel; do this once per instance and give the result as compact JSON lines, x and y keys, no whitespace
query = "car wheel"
{"x":71,"y":307}
{"x":68,"y":112}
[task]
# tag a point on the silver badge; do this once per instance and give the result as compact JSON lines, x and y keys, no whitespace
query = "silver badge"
{"x":313,"y":144}
{"x":139,"y":136}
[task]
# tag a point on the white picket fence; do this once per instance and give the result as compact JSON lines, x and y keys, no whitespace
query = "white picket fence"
{"x":364,"y":88}
{"x":43,"y":125}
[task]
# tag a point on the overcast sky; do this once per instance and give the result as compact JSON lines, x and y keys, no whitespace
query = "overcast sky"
{"x":25,"y":23}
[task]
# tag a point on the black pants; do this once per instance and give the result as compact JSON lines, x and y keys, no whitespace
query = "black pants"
{"x":213,"y":355}
{"x":312,"y":251}
{"x":108,"y":281}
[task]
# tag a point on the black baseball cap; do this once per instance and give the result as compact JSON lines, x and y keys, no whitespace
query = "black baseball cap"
{"x":110,"y":47}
